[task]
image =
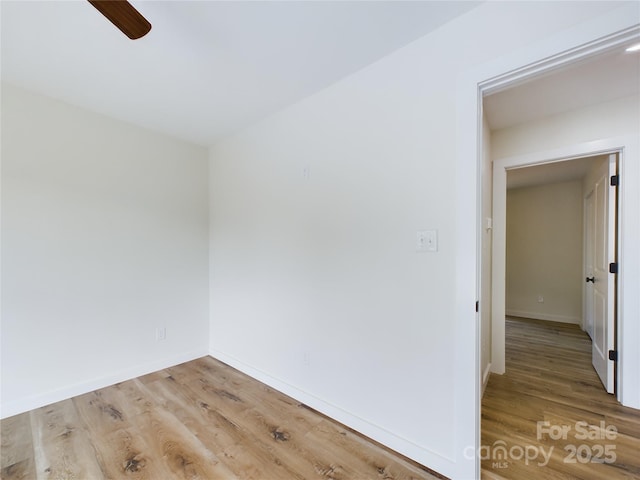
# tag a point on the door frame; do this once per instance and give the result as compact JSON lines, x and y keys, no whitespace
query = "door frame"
{"x":611,"y":30}
{"x":619,"y":146}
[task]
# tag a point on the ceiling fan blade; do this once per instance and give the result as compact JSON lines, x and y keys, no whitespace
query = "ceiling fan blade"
{"x":124,"y":16}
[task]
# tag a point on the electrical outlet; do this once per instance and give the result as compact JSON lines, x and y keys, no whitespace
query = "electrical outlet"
{"x":540,"y":299}
{"x":427,"y":241}
{"x":306,"y":359}
{"x":161,"y":334}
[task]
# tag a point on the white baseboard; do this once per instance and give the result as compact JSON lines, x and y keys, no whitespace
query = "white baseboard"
{"x":543,"y":316}
{"x":420,"y":454}
{"x":22,"y":405}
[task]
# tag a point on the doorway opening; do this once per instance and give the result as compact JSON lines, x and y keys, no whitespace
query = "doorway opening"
{"x":561,"y":238}
{"x":549,"y":384}
{"x":515,"y":137}
{"x":495,"y":78}
{"x":596,"y":301}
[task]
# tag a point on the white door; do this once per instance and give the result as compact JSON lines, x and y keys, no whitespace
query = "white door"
{"x":589,"y":258}
{"x":602,"y":282}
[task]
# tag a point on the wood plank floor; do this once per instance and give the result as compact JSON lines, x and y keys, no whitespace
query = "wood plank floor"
{"x":198,"y":420}
{"x":549,"y":378}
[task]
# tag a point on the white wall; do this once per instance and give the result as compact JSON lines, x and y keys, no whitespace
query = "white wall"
{"x":544,"y":252}
{"x":602,"y":120}
{"x":316,"y":287}
{"x":104,"y":239}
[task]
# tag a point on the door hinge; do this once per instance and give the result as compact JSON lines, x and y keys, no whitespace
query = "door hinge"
{"x":613,"y":268}
{"x":613,"y":355}
{"x":615,"y":180}
{"x":477,"y":306}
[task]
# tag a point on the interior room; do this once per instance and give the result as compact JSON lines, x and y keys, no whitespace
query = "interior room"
{"x":269,"y":229}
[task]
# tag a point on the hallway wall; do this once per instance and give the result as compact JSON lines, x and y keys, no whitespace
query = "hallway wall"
{"x":544,"y":252}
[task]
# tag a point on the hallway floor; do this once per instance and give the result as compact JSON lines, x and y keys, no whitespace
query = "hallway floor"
{"x":548,"y":416}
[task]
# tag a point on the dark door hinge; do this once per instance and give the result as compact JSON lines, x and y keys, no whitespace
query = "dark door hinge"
{"x":613,"y":355}
{"x":477,"y":306}
{"x":615,"y":180}
{"x":613,"y":268}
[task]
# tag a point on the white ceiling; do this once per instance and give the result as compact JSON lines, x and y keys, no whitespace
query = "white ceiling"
{"x":207,"y":68}
{"x":548,"y":173}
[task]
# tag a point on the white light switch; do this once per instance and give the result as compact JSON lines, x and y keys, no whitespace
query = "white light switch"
{"x":427,"y":241}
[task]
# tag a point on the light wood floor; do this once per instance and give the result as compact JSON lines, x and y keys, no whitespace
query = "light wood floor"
{"x":549,"y":378}
{"x":198,"y":420}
